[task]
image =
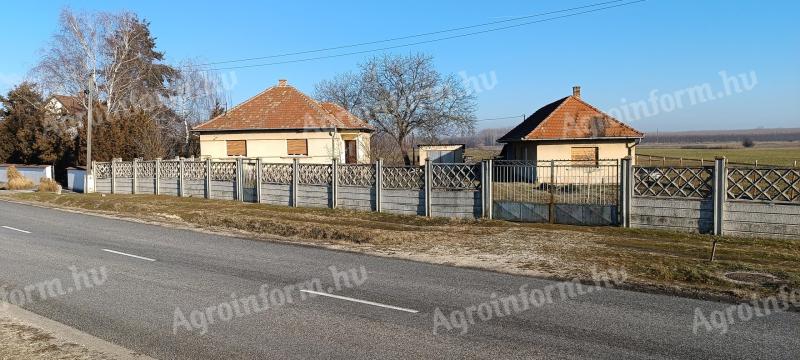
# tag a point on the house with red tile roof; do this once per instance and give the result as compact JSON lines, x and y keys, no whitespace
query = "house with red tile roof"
{"x":570,"y":129}
{"x":282,"y":124}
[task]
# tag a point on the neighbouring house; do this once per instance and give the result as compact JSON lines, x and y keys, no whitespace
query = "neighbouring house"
{"x":440,"y":153}
{"x":570,"y":129}
{"x":63,"y":105}
{"x":282,"y":124}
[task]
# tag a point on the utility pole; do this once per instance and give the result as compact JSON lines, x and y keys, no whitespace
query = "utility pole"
{"x":89,"y":184}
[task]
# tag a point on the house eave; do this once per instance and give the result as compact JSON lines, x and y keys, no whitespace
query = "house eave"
{"x":572,"y":139}
{"x":274,"y":130}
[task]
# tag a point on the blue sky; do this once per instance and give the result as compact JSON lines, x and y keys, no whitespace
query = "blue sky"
{"x":649,"y":53}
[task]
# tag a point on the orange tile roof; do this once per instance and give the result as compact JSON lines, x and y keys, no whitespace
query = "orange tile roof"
{"x":71,"y":104}
{"x":570,"y":118}
{"x":283,"y":107}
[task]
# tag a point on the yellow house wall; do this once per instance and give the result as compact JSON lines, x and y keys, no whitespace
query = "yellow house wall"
{"x":617,"y":150}
{"x":271,"y":147}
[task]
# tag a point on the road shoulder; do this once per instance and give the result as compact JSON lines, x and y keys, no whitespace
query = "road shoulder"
{"x":25,"y":335}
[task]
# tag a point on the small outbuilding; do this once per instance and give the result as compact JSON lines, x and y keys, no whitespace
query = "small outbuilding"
{"x":441,"y":153}
{"x":570,"y":129}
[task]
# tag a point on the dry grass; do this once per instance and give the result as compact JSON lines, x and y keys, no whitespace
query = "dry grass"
{"x":22,"y":341}
{"x":49,"y":185}
{"x":664,"y":260}
{"x":16,"y":181}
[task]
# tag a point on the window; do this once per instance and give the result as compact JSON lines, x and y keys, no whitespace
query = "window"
{"x":236,"y":147}
{"x":297,"y":146}
{"x":586,"y":156}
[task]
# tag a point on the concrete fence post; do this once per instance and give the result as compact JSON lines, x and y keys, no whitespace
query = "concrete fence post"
{"x":626,"y":191}
{"x":208,"y":179}
{"x":157,"y":176}
{"x":720,"y":193}
{"x":489,"y":187}
{"x":259,"y":176}
{"x":134,"y":173}
{"x":181,"y":177}
{"x":240,"y":179}
{"x":552,"y":187}
{"x":113,"y":176}
{"x":379,"y":185}
{"x":334,"y":182}
{"x":428,"y":186}
{"x":295,"y":180}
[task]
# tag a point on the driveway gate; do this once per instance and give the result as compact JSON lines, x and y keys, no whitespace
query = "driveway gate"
{"x":559,"y":191}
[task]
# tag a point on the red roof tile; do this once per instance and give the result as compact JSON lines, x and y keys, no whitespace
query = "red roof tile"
{"x":570,"y":118}
{"x":284,"y":107}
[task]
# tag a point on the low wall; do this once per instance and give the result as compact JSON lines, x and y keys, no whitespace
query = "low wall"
{"x":276,"y":194}
{"x":754,"y":219}
{"x":30,"y":172}
{"x":313,"y":195}
{"x":223,"y":190}
{"x":356,"y":198}
{"x":686,"y":215}
{"x":403,"y":202}
{"x":76,"y":179}
{"x":457,"y":204}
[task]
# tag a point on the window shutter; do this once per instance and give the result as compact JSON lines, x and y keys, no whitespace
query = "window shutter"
{"x":297,"y":146}
{"x":585,"y":155}
{"x":236,"y":147}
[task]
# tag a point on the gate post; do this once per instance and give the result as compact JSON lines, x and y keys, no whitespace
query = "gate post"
{"x":240,"y":179}
{"x":134,"y":181}
{"x":428,"y":179}
{"x":208,"y":178}
{"x":720,"y":193}
{"x":295,"y":181}
{"x":378,"y":185}
{"x":258,"y":181}
{"x":626,"y":191}
{"x":334,"y":182}
{"x":489,"y":188}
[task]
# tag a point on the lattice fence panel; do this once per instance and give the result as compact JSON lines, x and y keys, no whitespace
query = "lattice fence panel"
{"x":403,"y":177}
{"x":686,"y":182}
{"x":315,"y":174}
{"x":223,"y":171}
{"x":276,"y":174}
{"x":123,"y":169}
{"x":169,"y":169}
{"x":146,"y":169}
{"x":194,"y":170}
{"x":455,"y":176}
{"x":356,"y":175}
{"x":767,"y":184}
{"x":102,"y":170}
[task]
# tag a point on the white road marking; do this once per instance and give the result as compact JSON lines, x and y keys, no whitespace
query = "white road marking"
{"x":15,"y":229}
{"x":133,"y":256}
{"x":361,"y":301}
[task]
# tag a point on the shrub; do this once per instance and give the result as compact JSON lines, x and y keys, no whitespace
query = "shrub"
{"x":16,"y":181}
{"x":49,"y":185}
{"x":748,"y":143}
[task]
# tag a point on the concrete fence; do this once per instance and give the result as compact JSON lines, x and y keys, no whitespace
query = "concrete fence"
{"x":718,"y":199}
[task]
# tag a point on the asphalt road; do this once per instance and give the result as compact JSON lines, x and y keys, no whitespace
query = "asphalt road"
{"x":389,"y":314}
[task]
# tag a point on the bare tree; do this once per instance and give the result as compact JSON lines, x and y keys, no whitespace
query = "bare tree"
{"x":195,"y":96}
{"x":404,"y":97}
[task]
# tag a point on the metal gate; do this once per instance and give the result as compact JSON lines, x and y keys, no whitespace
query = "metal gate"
{"x":249,"y":180}
{"x":558,"y":191}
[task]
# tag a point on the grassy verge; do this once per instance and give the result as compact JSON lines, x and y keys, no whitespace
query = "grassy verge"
{"x":653,"y":259}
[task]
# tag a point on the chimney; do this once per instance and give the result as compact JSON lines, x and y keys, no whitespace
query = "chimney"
{"x":282,"y":82}
{"x":576,"y":91}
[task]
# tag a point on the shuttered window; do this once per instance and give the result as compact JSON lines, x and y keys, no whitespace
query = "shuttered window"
{"x":297,"y":146}
{"x":587,"y":156}
{"x":236,"y":147}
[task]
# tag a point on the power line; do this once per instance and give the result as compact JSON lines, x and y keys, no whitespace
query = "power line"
{"x":409,"y":36}
{"x":426,"y":41}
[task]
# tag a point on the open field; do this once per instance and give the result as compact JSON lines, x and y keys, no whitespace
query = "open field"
{"x":654,"y":260}
{"x":778,"y":156}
